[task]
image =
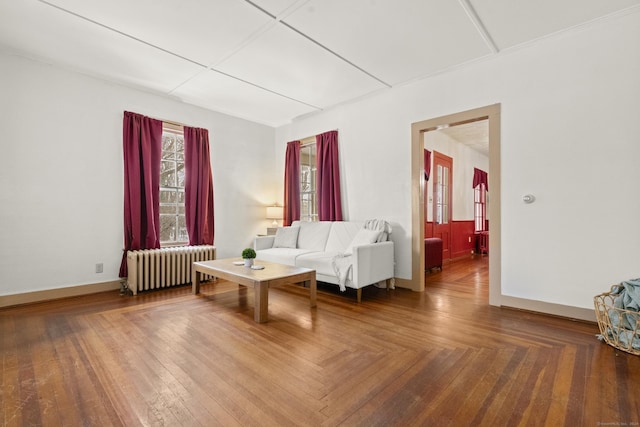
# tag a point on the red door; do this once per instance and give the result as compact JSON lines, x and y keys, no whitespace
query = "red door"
{"x":442,"y":179}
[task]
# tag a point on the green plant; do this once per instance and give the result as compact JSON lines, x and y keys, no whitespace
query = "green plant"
{"x":248,"y":253}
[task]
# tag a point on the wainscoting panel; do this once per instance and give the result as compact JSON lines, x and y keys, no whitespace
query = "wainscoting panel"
{"x":462,"y":237}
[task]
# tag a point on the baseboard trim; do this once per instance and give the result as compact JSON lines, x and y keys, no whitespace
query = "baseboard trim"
{"x":577,"y":313}
{"x":404,"y":283}
{"x":52,"y":294}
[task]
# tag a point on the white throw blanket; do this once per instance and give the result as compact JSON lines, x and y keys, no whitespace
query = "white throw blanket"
{"x":379,"y":224}
{"x":342,"y":263}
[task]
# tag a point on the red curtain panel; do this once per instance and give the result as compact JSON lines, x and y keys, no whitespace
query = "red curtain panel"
{"x":328,"y":177}
{"x":142,"y":147}
{"x":291,"y":183}
{"x":198,"y":186}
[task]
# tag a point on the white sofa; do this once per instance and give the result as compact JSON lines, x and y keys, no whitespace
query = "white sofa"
{"x":344,"y":253}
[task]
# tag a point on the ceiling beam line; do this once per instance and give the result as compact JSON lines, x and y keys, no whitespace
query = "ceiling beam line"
{"x":266,"y":89}
{"x":480,"y":27}
{"x":266,"y":12}
{"x":106,"y":27}
{"x":204,"y":67}
{"x":317,"y":43}
{"x":337,"y":55}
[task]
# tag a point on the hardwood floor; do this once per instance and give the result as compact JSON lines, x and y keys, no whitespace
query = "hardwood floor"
{"x":400,"y":358}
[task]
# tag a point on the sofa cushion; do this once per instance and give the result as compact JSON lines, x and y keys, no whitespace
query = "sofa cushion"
{"x":313,"y":235}
{"x":321,"y":262}
{"x":341,"y":234}
{"x":285,"y":256}
{"x":364,"y":237}
{"x":286,"y":237}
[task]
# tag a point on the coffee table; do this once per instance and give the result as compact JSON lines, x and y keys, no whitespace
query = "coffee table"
{"x":260,"y":280}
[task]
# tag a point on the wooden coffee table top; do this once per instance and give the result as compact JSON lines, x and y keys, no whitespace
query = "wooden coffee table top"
{"x":271,"y":271}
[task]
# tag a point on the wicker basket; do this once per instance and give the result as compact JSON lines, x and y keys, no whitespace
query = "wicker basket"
{"x":619,"y":328}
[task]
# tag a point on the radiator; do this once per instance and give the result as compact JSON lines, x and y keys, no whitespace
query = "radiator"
{"x":166,"y":267}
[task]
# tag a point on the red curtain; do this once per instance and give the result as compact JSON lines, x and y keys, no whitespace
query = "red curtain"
{"x":427,"y":164}
{"x":198,"y":186}
{"x":291,"y":183}
{"x":480,"y":177}
{"x":328,"y":177}
{"x":142,"y":147}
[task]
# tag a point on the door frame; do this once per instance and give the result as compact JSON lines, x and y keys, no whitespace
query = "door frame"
{"x":492,"y":114}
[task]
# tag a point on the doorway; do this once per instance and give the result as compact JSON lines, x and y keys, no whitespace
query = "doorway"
{"x":492,"y":114}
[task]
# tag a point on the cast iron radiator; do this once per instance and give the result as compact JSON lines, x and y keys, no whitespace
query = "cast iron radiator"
{"x":166,"y":267}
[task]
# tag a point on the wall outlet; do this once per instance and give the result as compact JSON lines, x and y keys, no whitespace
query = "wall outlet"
{"x":469,"y":239}
{"x":99,"y":267}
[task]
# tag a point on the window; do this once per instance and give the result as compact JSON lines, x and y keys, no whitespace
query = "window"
{"x":308,"y":200}
{"x":442,"y":192}
{"x":480,"y":207}
{"x":173,"y":228}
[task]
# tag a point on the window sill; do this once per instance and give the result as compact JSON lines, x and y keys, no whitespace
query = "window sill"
{"x":173,"y":244}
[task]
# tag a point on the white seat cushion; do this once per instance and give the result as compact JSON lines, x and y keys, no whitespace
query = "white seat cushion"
{"x":321,"y":262}
{"x":285,"y":256}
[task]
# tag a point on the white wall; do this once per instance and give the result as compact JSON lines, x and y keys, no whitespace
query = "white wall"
{"x":61,"y":180}
{"x":464,"y":160}
{"x":570,"y":136}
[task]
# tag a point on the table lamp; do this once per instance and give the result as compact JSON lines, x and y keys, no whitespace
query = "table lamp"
{"x":275,"y":213}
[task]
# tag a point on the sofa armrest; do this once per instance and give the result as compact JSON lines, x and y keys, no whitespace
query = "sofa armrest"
{"x":263,"y":242}
{"x":372,"y":263}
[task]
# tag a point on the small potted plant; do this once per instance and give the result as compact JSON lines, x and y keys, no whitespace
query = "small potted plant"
{"x":248,"y":255}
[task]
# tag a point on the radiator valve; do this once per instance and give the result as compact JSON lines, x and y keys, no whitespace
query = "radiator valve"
{"x":124,"y":289}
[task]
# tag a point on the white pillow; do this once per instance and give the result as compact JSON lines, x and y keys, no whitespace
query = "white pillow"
{"x":286,"y":237}
{"x":363,"y":237}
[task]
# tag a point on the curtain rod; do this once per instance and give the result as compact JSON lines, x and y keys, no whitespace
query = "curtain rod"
{"x":313,"y":136}
{"x":171,"y":122}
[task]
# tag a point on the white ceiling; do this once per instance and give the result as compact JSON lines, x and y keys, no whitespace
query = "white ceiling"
{"x":270,"y":61}
{"x":475,"y":135}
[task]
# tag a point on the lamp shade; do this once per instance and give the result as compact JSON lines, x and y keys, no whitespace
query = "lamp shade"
{"x":275,"y":212}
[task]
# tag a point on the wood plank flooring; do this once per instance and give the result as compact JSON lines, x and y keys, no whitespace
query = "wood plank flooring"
{"x":400,"y":358}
